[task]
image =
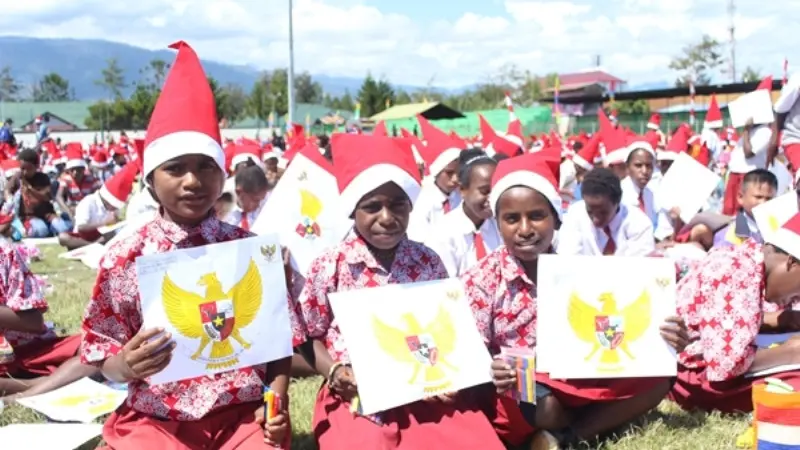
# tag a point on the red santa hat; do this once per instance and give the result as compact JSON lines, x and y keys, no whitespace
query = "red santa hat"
{"x":100,"y":159}
{"x":714,"y":114}
{"x":587,"y":154}
{"x":116,"y":189}
{"x":440,"y":149}
{"x":487,"y":133}
{"x":539,"y":171}
{"x":244,"y":153}
{"x":637,"y":142}
{"x":9,"y":167}
{"x":366,"y":162}
{"x":766,"y":83}
{"x":787,"y":237}
{"x":184,"y":120}
{"x":74,"y":156}
{"x":678,"y":143}
{"x":615,"y":140}
{"x":655,"y":122}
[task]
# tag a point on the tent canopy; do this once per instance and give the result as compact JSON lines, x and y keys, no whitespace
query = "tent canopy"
{"x":430,"y":111}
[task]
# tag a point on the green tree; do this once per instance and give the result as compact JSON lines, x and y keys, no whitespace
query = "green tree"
{"x":259,"y":102}
{"x":9,"y":88}
{"x":233,"y":103}
{"x":112,"y":79}
{"x":116,"y":114}
{"x":52,"y":88}
{"x":154,"y":74}
{"x":697,"y":62}
{"x":632,"y":107}
{"x":279,"y":91}
{"x":306,"y":90}
{"x":374,"y":96}
{"x":750,"y":75}
{"x":402,"y":97}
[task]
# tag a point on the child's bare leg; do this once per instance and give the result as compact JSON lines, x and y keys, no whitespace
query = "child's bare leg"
{"x":11,"y":386}
{"x":602,"y":418}
{"x":71,"y":242}
{"x":300,"y":368}
{"x":71,"y":370}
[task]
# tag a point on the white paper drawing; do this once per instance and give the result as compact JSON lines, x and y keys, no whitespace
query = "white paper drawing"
{"x":407,"y":342}
{"x":756,"y":105}
{"x":599,"y":316}
{"x":687,"y":185}
{"x":773,"y":214}
{"x":82,"y":401}
{"x":225,"y":305}
{"x":48,"y":436}
{"x":303,"y":210}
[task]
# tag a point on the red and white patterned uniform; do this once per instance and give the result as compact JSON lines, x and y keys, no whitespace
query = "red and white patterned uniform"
{"x":74,"y":191}
{"x":113,"y":316}
{"x":503,"y":301}
{"x":721,"y":299}
{"x":19,"y":290}
{"x":350,"y":266}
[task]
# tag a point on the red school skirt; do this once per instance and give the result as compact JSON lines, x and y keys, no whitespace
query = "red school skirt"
{"x":579,"y":393}
{"x":42,"y":357}
{"x":231,"y":428}
{"x":693,"y":391}
{"x":417,"y":426}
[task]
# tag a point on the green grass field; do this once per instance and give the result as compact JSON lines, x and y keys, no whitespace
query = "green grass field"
{"x":667,"y":428}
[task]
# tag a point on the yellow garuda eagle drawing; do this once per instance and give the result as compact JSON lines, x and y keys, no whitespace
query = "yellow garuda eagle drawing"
{"x":215,"y":318}
{"x":773,"y":223}
{"x":608,"y":328}
{"x":426,"y":349}
{"x":310,"y":209}
{"x":94,"y":404}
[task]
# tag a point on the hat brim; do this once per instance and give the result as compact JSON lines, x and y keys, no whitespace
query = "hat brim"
{"x":528,"y":179}
{"x":178,"y":144}
{"x":374,"y":177}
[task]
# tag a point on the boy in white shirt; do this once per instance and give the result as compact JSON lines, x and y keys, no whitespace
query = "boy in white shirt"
{"x":601,"y":225}
{"x":251,"y":195}
{"x":99,"y":209}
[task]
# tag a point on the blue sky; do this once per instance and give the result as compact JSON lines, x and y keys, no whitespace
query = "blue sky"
{"x":447,"y":43}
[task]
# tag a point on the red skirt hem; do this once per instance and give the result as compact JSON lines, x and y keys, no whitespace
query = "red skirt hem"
{"x":692,"y":391}
{"x":730,"y":203}
{"x":43,"y":357}
{"x":231,"y":428}
{"x":580,"y":393}
{"x":462,"y":425}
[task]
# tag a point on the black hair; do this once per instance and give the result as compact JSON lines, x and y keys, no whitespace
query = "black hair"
{"x":760,"y":176}
{"x":602,"y":182}
{"x":251,"y":180}
{"x":226,"y":197}
{"x":322,"y":140}
{"x":29,"y":156}
{"x":577,"y":146}
{"x":468,"y":160}
{"x":500,"y":156}
{"x":637,"y":149}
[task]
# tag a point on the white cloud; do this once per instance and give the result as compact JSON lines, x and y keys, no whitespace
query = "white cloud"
{"x":635,"y":38}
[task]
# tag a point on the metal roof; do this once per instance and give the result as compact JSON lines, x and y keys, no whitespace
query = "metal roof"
{"x":430,"y":110}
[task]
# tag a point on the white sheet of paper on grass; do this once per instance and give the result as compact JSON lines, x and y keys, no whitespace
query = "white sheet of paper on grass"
{"x":82,"y":401}
{"x":48,"y":436}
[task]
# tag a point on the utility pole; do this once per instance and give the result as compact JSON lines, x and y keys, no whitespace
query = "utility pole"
{"x":732,"y":42}
{"x":290,"y":114}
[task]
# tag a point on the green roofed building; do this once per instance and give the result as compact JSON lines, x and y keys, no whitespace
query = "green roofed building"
{"x":64,"y":116}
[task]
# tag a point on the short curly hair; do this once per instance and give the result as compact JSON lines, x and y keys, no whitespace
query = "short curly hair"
{"x":602,"y":182}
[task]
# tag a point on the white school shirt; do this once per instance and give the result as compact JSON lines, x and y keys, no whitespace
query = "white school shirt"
{"x":630,"y":228}
{"x":235,"y":216}
{"x":90,"y":211}
{"x":141,"y":204}
{"x":788,"y":104}
{"x":630,"y":197}
{"x":759,"y":140}
{"x":429,"y":210}
{"x":453,"y":239}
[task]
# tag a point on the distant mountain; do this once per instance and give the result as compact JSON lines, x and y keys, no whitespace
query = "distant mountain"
{"x":81,"y":60}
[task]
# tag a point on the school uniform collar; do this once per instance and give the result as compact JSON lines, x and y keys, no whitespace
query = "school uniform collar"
{"x":744,"y":225}
{"x":357,"y":251}
{"x":430,"y":185}
{"x":616,"y":222}
{"x":464,"y":224}
{"x":510,"y":267}
{"x":177,"y":233}
{"x":636,"y":189}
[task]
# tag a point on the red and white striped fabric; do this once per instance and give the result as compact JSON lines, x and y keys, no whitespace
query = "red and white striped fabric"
{"x":691,"y":104}
{"x":776,"y":417}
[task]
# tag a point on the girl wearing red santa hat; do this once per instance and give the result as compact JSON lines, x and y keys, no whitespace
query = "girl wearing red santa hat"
{"x":379,"y":181}
{"x":502,"y":293}
{"x":184,"y":168}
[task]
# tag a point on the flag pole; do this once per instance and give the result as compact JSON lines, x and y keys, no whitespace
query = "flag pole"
{"x":290,"y":113}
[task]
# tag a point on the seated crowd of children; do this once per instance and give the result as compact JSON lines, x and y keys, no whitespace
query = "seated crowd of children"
{"x":481,"y":213}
